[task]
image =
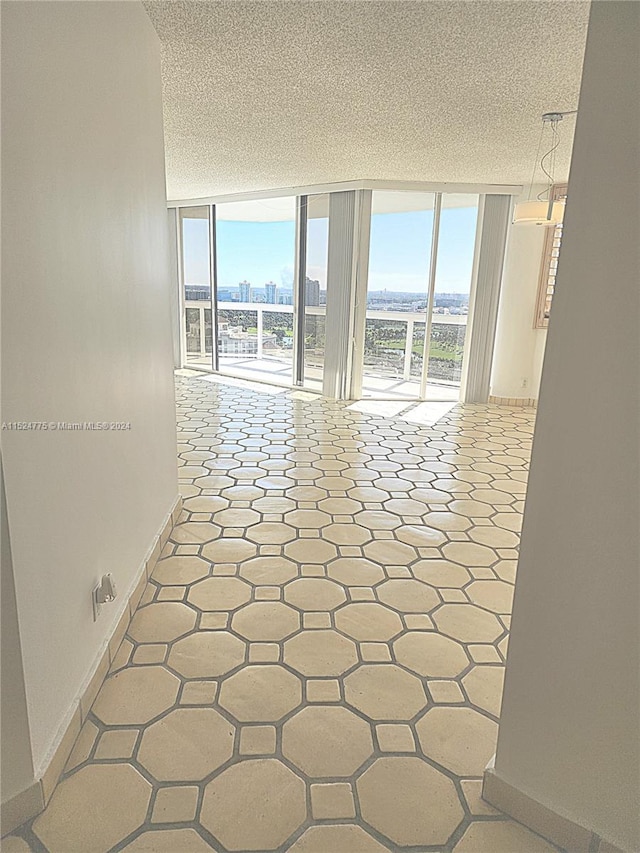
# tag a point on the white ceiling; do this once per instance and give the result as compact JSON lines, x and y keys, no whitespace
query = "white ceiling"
{"x":271,"y":94}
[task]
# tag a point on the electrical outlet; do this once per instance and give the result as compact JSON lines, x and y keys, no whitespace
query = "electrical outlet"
{"x":102,"y":593}
{"x":525,"y":382}
{"x":97,"y":606}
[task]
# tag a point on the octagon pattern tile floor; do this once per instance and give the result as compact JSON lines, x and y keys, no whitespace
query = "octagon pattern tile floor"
{"x":316,"y":664}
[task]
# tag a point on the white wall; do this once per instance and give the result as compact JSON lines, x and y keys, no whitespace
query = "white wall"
{"x":16,"y":759}
{"x":85,"y":327}
{"x":519,"y":348}
{"x":571,"y":710}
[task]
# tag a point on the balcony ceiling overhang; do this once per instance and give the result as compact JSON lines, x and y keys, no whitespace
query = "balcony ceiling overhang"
{"x":267,"y":94}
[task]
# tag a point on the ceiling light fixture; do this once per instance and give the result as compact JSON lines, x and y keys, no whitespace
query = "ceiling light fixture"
{"x":544,"y":210}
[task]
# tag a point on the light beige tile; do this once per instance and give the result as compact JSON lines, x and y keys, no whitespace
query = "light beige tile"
{"x":199,"y":693}
{"x":314,"y":594}
{"x":320,"y":653}
{"x":481,"y":653}
{"x":491,"y":594}
{"x":346,"y":838}
{"x":419,"y":622}
{"x":484,"y":687}
{"x":323,"y":690}
{"x":408,"y":596}
{"x":219,"y":593}
{"x":384,"y":692}
{"x":102,"y":803}
{"x":161,"y":623}
{"x":395,"y":737}
{"x":188,"y":744}
{"x":175,"y":804}
{"x":326,"y":741}
{"x":214,"y":621}
{"x":445,"y":692}
{"x":268,"y":593}
{"x":136,"y":695}
{"x":150,"y":653}
{"x":264,"y":653}
{"x":501,"y":837}
{"x":333,"y":800}
{"x":403,"y":817}
{"x":441,"y":573}
{"x":467,"y":623}
{"x":169,"y":841}
{"x":430,"y":654}
{"x":228,"y":807}
{"x":171,"y":593}
{"x":316,"y":620}
{"x":117,"y":743}
{"x":263,"y":693}
{"x":366,"y":621}
{"x":375,"y":652}
{"x":266,"y":621}
{"x":207,"y":654}
{"x":257,"y":740}
{"x":458,"y":738}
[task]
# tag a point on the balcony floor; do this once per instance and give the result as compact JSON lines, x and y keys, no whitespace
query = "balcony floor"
{"x":279,"y":372}
{"x":316,"y":664}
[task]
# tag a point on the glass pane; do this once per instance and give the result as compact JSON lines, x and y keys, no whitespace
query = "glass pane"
{"x":192,"y":330}
{"x":454,"y":268}
{"x":255,"y":255}
{"x":399,"y":258}
{"x":196,"y":274}
{"x":316,"y":290}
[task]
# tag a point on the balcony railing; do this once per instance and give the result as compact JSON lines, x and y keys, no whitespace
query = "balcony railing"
{"x":394,"y":340}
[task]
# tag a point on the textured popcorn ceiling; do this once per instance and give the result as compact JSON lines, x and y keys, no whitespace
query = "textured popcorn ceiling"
{"x":271,"y":94}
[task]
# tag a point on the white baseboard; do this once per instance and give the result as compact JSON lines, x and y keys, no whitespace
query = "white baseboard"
{"x":541,"y":819}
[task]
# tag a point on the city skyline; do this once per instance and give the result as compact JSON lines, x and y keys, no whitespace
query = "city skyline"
{"x":399,"y":255}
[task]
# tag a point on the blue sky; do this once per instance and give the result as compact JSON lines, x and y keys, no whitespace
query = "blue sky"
{"x":399,"y":259}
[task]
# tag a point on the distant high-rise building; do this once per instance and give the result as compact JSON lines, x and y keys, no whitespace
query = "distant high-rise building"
{"x":285,"y":297}
{"x":245,"y":291}
{"x":270,"y":290}
{"x":312,"y":292}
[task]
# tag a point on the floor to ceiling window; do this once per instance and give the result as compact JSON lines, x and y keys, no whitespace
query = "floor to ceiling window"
{"x":451,"y":292}
{"x":255,"y":278}
{"x":397,"y":293}
{"x":421,"y":255}
{"x":255,"y":271}
{"x":196,"y":277}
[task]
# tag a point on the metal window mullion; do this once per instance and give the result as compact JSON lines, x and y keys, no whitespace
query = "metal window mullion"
{"x":181,"y":300}
{"x":299,"y":301}
{"x":435,"y":234}
{"x":213,"y":276}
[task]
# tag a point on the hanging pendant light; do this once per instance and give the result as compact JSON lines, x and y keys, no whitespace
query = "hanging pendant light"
{"x":544,"y":210}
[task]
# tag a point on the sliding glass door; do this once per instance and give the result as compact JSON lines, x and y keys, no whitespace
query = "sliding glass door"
{"x":195,"y":237}
{"x":421,"y":253}
{"x":456,"y":239}
{"x":312,"y":297}
{"x":255,"y":260}
{"x":397,"y":293}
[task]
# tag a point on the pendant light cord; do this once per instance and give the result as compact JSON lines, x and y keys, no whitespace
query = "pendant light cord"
{"x":555,"y":142}
{"x":535,"y":163}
